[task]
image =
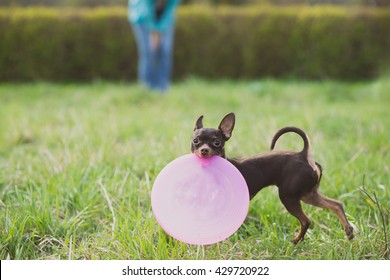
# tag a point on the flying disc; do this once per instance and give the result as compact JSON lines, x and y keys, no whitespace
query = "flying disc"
{"x":200,"y":200}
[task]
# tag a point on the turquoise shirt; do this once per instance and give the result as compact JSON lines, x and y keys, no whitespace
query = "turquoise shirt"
{"x":142,"y":11}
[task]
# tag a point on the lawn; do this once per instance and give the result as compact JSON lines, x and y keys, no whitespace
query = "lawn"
{"x":78,"y":162}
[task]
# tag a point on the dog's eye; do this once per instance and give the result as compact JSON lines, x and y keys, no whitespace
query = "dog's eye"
{"x":196,"y":141}
{"x":217,"y":143}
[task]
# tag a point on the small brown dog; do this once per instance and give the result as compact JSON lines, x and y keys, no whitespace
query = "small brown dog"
{"x":296,"y":174}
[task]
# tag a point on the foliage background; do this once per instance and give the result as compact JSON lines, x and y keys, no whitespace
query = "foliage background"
{"x":84,"y":44}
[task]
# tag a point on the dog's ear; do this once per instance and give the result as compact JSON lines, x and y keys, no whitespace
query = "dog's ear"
{"x":227,"y":125}
{"x":199,"y":123}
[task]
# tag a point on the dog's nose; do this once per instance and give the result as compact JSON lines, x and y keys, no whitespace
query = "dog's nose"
{"x":204,"y":151}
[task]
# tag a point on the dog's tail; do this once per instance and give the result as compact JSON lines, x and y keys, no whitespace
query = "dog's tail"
{"x":306,"y":142}
{"x":306,"y":147}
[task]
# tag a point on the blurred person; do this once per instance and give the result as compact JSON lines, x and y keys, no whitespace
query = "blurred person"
{"x":153,"y":23}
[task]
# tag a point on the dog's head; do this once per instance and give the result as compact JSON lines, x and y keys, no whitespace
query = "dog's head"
{"x":208,"y":142}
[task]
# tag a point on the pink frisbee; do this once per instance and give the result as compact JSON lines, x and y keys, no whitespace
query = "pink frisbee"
{"x":200,"y":201}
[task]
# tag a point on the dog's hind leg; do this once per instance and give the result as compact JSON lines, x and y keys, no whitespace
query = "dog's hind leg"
{"x":317,"y":199}
{"x":293,"y":205}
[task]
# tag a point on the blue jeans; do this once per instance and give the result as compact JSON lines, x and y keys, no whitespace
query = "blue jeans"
{"x":154,"y":66}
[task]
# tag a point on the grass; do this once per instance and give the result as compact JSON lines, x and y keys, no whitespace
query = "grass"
{"x":78,"y":161}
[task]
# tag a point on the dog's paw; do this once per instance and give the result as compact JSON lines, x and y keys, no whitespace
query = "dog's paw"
{"x":297,"y":239}
{"x":349,"y":232}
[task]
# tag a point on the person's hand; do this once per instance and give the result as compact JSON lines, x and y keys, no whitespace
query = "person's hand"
{"x":155,"y":40}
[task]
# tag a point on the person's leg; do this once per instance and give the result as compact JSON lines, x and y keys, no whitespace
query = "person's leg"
{"x":144,"y":54}
{"x":164,"y":61}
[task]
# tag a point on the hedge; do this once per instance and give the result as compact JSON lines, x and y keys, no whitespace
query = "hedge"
{"x":225,"y":42}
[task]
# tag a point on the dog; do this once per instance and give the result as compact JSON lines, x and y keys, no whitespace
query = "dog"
{"x":296,"y":174}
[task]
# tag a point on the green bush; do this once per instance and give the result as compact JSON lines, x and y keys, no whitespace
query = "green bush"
{"x":223,"y":42}
{"x":65,"y":45}
{"x":320,"y":42}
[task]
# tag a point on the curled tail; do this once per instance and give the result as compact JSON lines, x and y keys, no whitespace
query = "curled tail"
{"x":306,"y":148}
{"x":306,"y":143}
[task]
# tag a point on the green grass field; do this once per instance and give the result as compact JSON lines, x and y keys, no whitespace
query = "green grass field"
{"x":78,"y":161}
